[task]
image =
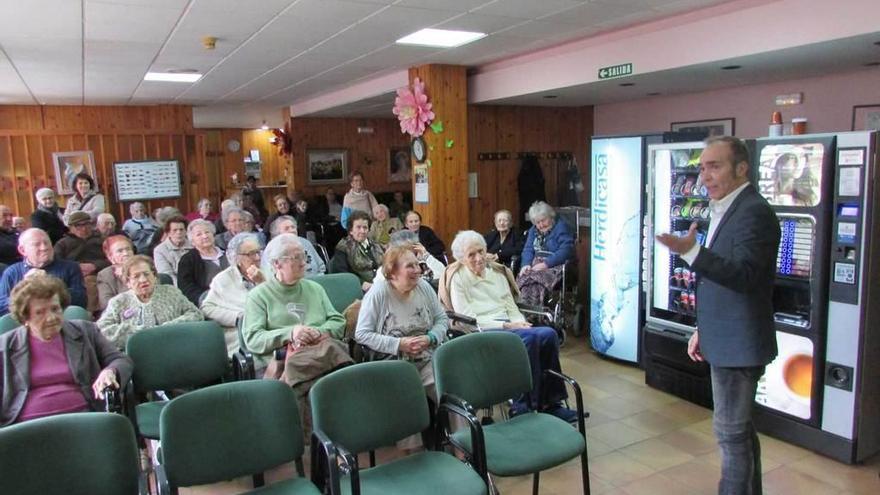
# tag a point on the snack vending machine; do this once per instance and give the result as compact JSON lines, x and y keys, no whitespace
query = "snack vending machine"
{"x":676,"y":199}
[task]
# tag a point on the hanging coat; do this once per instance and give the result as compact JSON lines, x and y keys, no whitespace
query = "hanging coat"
{"x":530,"y":184}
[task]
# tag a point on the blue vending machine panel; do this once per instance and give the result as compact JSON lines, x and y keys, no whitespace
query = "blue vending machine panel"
{"x":615,"y":246}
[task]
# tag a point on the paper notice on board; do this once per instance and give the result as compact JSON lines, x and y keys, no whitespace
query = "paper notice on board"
{"x":420,"y":194}
{"x":851,"y":157}
{"x":850,"y":181}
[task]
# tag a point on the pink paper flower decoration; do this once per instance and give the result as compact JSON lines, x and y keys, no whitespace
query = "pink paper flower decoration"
{"x":412,"y":109}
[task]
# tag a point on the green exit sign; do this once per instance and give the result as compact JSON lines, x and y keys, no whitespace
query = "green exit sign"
{"x":615,"y":71}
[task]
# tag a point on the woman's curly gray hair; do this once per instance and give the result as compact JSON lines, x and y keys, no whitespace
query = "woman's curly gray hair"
{"x":539,"y":210}
{"x":199,"y":223}
{"x":465,"y":239}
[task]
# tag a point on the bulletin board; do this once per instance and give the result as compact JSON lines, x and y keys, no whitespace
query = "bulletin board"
{"x":145,"y":180}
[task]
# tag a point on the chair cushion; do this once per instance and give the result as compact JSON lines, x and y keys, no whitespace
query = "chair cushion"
{"x":294,"y":486}
{"x":525,"y":444}
{"x":148,"y":418}
{"x":426,"y":473}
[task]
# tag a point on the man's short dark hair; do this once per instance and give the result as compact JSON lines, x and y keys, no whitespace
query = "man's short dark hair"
{"x":738,"y":148}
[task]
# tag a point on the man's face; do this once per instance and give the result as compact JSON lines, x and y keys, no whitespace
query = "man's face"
{"x":287,"y":227}
{"x":18,"y":224}
{"x":106,"y":226}
{"x":5,"y":218}
{"x":83,"y":230}
{"x":138,"y":211}
{"x":718,"y":172}
{"x":36,"y":249}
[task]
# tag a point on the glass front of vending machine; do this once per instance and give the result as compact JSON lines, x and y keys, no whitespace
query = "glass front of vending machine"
{"x":677,"y":198}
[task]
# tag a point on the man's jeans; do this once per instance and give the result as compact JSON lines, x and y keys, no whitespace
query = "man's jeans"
{"x":734,"y":393}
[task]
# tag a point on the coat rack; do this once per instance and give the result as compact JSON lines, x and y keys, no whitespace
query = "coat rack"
{"x":519,"y":155}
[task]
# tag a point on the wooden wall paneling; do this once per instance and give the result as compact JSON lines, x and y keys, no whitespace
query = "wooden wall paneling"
{"x":19,"y":161}
{"x":6,"y":172}
{"x":21,"y":117}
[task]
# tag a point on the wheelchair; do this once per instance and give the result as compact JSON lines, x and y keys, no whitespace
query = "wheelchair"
{"x":562,"y":309}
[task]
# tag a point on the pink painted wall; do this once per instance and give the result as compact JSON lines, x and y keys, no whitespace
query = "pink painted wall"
{"x":827,"y":104}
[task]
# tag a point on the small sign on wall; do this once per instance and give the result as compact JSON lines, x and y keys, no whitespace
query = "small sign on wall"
{"x":420,"y":192}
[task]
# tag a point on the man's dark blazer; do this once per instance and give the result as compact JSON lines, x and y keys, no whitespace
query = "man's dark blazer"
{"x":736,"y":273}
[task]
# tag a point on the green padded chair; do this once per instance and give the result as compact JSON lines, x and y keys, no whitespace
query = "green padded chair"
{"x":77,"y":313}
{"x":172,"y":357}
{"x":7,"y":323}
{"x":70,"y":454}
{"x":341,"y":288}
{"x":370,"y":405}
{"x":482,"y":369}
{"x":231,"y":430}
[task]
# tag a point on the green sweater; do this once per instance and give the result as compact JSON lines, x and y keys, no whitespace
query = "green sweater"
{"x":272,"y":309}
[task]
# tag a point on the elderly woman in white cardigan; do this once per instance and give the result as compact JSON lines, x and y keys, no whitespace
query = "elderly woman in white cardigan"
{"x":228,"y":292}
{"x":145,"y":305}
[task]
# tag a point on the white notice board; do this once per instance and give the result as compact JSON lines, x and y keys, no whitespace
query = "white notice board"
{"x":153,"y":179}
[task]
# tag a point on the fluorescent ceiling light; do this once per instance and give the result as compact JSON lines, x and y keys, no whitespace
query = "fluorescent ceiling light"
{"x":440,"y":37}
{"x":170,"y":77}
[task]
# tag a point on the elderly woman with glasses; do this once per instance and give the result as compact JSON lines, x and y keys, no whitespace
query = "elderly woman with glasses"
{"x":229,"y":289}
{"x":52,"y":366}
{"x":145,"y":305}
{"x":286,"y":224}
{"x":486,"y":291}
{"x":290,"y":310}
{"x":118,"y":250}
{"x":549,"y":245}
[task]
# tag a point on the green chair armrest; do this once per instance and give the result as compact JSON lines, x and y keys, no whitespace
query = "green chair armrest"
{"x":453,"y":404}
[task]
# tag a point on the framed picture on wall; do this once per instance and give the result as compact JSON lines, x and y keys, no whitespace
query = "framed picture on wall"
{"x":68,"y":164}
{"x":399,"y":165}
{"x":327,"y":166}
{"x":713,"y":127}
{"x":866,"y":117}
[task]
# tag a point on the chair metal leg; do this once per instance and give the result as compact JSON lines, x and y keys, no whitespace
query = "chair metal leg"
{"x":535,"y":480}
{"x":585,"y":471}
{"x":372,"y":458}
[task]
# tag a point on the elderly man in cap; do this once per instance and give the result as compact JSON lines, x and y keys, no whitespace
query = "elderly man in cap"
{"x":39,"y":259}
{"x":8,"y":238}
{"x":84,"y":245}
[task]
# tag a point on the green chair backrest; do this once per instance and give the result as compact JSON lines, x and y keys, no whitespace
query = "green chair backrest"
{"x":370,"y":405}
{"x":483,"y":368}
{"x":77,"y":313}
{"x":341,"y":288}
{"x":177,"y":355}
{"x":71,"y":454}
{"x":229,"y":430}
{"x":7,"y":323}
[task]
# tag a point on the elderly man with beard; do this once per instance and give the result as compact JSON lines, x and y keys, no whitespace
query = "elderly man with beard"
{"x":39,"y":259}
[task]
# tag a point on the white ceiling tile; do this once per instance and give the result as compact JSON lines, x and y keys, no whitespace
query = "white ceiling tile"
{"x":394,"y":57}
{"x":541,"y":29}
{"x":480,"y":23}
{"x":462,"y":5}
{"x":528,"y":9}
{"x":44,"y":19}
{"x":592,"y":13}
{"x":128,"y":22}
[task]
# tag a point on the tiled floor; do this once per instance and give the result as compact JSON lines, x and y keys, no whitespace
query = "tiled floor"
{"x":645,"y":442}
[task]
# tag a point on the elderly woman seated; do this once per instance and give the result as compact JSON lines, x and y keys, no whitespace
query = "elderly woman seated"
{"x":201,"y":264}
{"x":549,"y":245}
{"x":430,"y":266}
{"x":168,"y":253}
{"x":290,"y":310}
{"x":401,"y":318}
{"x":118,"y":250}
{"x":383,"y":225}
{"x":145,"y":305}
{"x":503,"y":242}
{"x":51,"y":366}
{"x":485,"y":290}
{"x":229,"y":289}
{"x":427,"y":237}
{"x":356,"y":253}
{"x":286,"y":224}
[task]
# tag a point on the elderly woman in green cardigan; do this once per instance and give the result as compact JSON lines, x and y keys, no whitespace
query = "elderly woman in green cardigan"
{"x":288,"y":310}
{"x":145,"y":305}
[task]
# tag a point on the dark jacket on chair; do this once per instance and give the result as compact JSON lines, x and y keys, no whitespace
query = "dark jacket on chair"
{"x":191,"y":272}
{"x":88,"y":352}
{"x":512,"y":245}
{"x":735,"y":276}
{"x":432,"y":243}
{"x":49,"y":221}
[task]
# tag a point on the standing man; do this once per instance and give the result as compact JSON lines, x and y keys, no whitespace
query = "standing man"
{"x":736,"y":270}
